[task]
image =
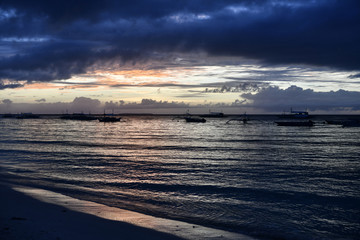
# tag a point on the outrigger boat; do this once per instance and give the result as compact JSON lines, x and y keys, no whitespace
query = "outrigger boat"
{"x":27,"y":116}
{"x":295,"y":115}
{"x":244,"y":118}
{"x":194,"y":119}
{"x":213,"y":115}
{"x":191,"y":118}
{"x":78,"y":116}
{"x":335,"y":122}
{"x":109,"y":118}
{"x":8,"y":115}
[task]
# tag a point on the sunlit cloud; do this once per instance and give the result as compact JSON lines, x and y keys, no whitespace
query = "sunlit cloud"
{"x":41,"y":86}
{"x":136,"y":73}
{"x":89,"y":87}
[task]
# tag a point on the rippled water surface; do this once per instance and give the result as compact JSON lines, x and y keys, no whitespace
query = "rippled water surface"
{"x":260,"y":179}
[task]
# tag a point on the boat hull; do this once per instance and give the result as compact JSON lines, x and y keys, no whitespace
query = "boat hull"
{"x":109,"y":119}
{"x":197,"y":120}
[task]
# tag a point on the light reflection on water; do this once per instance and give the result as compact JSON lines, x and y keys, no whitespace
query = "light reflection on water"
{"x":304,"y":181}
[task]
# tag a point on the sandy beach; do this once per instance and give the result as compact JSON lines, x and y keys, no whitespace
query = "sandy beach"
{"x":23,"y":217}
{"x":31,"y":213}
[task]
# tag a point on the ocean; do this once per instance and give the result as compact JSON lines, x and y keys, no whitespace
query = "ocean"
{"x":258,"y":179}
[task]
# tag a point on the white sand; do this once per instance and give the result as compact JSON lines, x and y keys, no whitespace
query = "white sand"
{"x":23,"y":216}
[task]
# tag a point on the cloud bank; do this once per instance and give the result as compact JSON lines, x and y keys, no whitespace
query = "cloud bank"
{"x":273,"y":99}
{"x":269,"y":99}
{"x":47,"y":40}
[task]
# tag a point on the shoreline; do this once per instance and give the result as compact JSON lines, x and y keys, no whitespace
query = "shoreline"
{"x":23,"y":217}
{"x":30,"y":213}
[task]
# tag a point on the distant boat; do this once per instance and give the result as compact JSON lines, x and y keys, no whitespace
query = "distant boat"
{"x":335,"y":122}
{"x":195,"y":119}
{"x":244,"y":118}
{"x":8,"y":115}
{"x":213,"y":115}
{"x":78,"y":116}
{"x":296,"y":123}
{"x":295,"y":115}
{"x":110,"y":119}
{"x":27,"y":116}
{"x":190,"y":118}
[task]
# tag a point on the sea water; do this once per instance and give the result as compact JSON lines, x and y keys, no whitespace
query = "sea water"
{"x":259,"y":179}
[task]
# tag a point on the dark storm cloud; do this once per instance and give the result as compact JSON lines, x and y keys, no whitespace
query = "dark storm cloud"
{"x":58,"y":39}
{"x":62,"y":12}
{"x":56,"y":60}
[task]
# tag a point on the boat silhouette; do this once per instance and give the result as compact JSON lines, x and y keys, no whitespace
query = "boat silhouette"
{"x":28,"y":115}
{"x":78,"y":116}
{"x":213,"y":115}
{"x":195,"y":119}
{"x":295,"y":114}
{"x":109,"y":119}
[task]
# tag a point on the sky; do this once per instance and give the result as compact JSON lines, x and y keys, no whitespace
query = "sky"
{"x":164,"y":56}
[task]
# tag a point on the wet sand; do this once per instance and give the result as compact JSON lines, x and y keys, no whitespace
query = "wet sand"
{"x":28,"y":213}
{"x":23,"y":217}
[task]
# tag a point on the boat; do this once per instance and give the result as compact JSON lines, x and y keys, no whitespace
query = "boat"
{"x":78,"y":116}
{"x":244,"y":118}
{"x":296,"y":123}
{"x":335,"y":122}
{"x":8,"y":115}
{"x":109,"y":119}
{"x":195,"y":119}
{"x":28,"y":115}
{"x":213,"y":115}
{"x":295,"y":115}
{"x":191,"y":118}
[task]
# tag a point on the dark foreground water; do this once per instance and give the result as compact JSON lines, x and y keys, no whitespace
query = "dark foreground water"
{"x":259,"y":179}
